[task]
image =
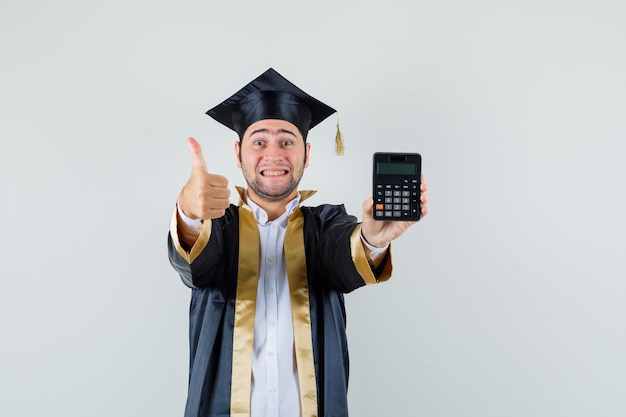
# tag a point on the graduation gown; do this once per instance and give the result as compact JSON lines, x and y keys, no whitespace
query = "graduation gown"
{"x":324,"y":258}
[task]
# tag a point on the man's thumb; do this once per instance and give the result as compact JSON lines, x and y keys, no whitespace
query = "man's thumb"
{"x":197,"y":159}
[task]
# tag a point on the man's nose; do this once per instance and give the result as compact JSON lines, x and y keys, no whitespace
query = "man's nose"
{"x":273,"y":152}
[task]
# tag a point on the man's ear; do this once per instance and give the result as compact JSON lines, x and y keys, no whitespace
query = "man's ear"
{"x":307,"y":152}
{"x":238,"y":154}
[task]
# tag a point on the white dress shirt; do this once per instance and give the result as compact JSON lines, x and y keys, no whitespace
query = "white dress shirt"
{"x":275,"y":391}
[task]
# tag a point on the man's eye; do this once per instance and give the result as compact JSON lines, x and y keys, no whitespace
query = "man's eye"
{"x":258,"y":143}
{"x":287,"y":143}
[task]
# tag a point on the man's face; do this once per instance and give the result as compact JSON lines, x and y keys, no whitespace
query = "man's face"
{"x":272,"y":157}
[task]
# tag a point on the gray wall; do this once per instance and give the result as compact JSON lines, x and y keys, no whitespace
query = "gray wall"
{"x":509,"y":299}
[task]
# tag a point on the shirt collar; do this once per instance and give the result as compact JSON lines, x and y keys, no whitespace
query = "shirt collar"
{"x":261,"y":215}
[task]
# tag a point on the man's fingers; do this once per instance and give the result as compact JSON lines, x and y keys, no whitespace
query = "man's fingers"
{"x":423,"y":185}
{"x":198,"y":163}
{"x":367,"y":207}
{"x":205,"y":196}
{"x":218,"y":181}
{"x":197,"y":159}
{"x":217,"y":188}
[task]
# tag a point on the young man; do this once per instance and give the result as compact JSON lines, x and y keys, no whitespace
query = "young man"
{"x":267,"y":317}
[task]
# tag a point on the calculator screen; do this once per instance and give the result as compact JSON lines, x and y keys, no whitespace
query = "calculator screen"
{"x":395,"y":168}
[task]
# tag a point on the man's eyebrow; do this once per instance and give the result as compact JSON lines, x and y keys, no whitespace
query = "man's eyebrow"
{"x":266,"y":131}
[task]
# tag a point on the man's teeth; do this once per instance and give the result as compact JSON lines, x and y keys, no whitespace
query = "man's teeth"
{"x":271,"y":173}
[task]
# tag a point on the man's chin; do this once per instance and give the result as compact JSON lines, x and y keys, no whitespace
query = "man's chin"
{"x":273,"y":194}
{"x":274,"y":197}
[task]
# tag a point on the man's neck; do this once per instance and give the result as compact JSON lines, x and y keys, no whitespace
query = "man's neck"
{"x":273,"y":208}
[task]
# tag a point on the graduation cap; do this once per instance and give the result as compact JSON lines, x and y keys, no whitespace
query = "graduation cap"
{"x":272,"y":96}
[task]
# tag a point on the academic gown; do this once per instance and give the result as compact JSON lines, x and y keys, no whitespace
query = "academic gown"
{"x":325,"y":259}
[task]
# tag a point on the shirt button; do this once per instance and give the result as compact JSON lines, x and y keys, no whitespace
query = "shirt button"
{"x":270,"y":354}
{"x":270,"y":290}
{"x":272,"y":389}
{"x":272,"y":323}
{"x":270,"y":258}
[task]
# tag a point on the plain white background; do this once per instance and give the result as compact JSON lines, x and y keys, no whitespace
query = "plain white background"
{"x":509,"y":299}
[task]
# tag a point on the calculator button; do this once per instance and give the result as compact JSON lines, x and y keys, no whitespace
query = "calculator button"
{"x":397,"y":200}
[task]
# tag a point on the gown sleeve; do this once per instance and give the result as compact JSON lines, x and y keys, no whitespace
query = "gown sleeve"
{"x":341,"y":257}
{"x":200,"y":265}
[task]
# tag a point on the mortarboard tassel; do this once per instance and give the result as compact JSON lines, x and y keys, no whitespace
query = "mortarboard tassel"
{"x":339,"y":147}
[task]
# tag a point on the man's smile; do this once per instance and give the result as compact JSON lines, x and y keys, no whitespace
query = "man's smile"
{"x":273,"y":172}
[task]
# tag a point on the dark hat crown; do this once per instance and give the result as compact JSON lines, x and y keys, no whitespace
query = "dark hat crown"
{"x":270,"y":96}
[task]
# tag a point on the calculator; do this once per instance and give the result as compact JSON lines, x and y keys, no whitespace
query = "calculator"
{"x":397,"y":178}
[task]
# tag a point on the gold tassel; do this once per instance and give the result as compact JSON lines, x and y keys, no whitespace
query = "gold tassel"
{"x":339,"y":147}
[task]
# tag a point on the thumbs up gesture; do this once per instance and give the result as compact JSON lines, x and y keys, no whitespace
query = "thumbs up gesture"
{"x":205,"y":196}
